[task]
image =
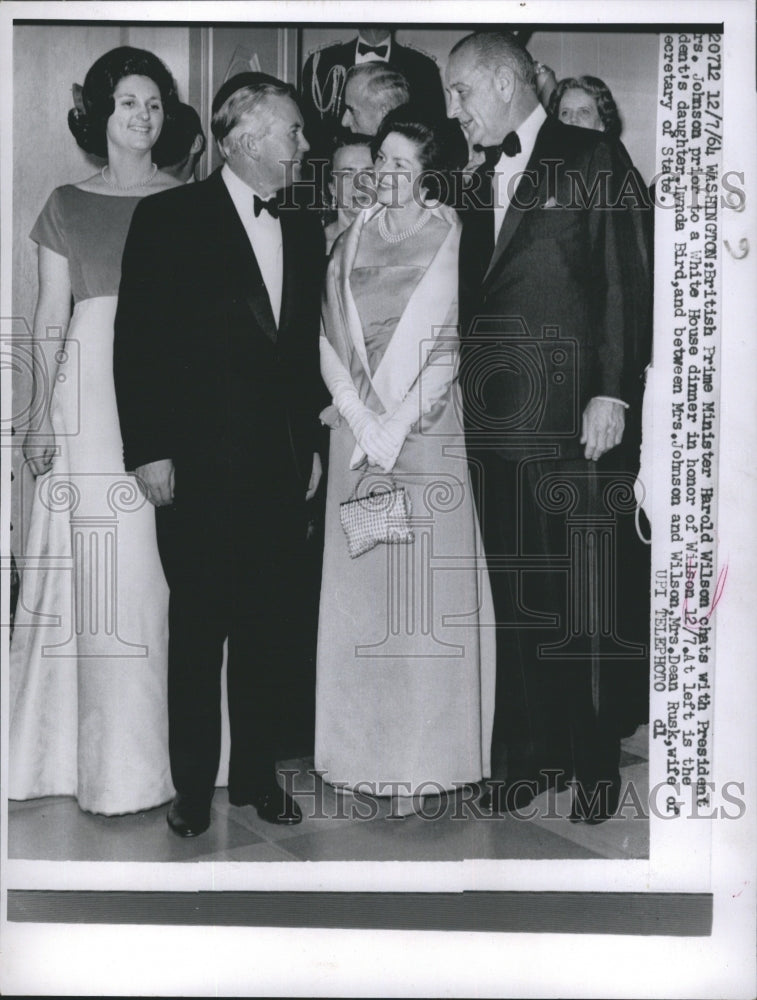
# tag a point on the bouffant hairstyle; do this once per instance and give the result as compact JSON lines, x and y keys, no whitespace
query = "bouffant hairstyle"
{"x":88,"y":120}
{"x":423,"y":135}
{"x":437,"y":145}
{"x":596,"y":88}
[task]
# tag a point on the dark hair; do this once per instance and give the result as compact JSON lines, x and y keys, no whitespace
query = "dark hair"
{"x":596,"y":88}
{"x":425,"y":136}
{"x":177,"y":137}
{"x":345,"y":139}
{"x":439,"y":146}
{"x":88,"y":123}
{"x":495,"y":48}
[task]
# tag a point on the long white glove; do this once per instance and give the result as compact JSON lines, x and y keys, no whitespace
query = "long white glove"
{"x":374,"y":441}
{"x":432,"y":383}
{"x":397,"y":426}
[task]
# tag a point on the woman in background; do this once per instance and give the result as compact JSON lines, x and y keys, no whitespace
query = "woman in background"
{"x":405,"y":671}
{"x":88,"y":712}
{"x":349,"y":185}
{"x":586,"y":101}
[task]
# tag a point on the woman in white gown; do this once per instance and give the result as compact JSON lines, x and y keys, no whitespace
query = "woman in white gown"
{"x":88,"y":714}
{"x":405,"y":669}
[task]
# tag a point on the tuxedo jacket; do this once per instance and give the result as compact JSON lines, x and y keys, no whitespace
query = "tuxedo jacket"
{"x":559,"y":310}
{"x":203,"y":375}
{"x":420,"y":71}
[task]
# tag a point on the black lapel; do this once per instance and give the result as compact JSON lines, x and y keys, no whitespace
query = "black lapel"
{"x":289,"y":234}
{"x":525,"y":192}
{"x":397,"y":56}
{"x":243,"y":266}
{"x":477,"y":240}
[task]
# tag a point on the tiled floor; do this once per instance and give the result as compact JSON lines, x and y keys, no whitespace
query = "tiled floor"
{"x":337,"y":827}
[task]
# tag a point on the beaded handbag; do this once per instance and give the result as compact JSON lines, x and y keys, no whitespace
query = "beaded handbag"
{"x":382,"y":515}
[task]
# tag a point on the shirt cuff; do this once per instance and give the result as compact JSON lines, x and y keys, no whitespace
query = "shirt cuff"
{"x":613,"y":399}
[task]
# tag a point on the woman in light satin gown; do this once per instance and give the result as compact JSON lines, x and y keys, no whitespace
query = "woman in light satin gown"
{"x":405,"y":669}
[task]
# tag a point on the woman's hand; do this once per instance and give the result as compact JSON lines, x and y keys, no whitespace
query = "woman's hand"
{"x":39,"y":448}
{"x":51,"y":313}
{"x":396,"y":428}
{"x":376,"y":441}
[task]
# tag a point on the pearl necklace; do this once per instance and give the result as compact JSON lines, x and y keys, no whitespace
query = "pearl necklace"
{"x":399,"y":237}
{"x":128,"y":187}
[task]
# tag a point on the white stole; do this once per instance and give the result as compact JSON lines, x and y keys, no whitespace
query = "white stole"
{"x":428,"y":309}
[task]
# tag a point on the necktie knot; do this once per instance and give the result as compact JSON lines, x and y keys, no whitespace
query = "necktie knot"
{"x":270,"y":206}
{"x":364,"y":49}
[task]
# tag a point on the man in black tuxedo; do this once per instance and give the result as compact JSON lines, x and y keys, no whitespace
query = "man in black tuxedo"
{"x":325,"y":72}
{"x":555,"y":326}
{"x":218,"y":387}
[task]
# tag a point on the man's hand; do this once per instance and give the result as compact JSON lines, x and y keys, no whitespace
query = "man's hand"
{"x":602,"y":428}
{"x":156,"y":480}
{"x":315,"y":476}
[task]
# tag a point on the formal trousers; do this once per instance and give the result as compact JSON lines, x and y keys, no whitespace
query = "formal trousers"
{"x":233,"y":564}
{"x":571,"y":583}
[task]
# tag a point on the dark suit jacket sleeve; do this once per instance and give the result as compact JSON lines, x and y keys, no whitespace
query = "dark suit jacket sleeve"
{"x":316,"y":394}
{"x":145,"y":333}
{"x":619,"y":275}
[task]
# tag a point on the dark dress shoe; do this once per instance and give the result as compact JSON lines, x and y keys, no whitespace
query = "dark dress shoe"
{"x":508,"y":797}
{"x":188,"y":819}
{"x":239,"y":798}
{"x":275,"y":806}
{"x":594,"y":802}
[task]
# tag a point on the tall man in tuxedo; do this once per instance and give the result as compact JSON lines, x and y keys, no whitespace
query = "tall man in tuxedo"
{"x":217,"y":380}
{"x":555,"y":326}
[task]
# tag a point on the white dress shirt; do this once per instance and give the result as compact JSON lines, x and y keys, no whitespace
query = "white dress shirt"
{"x":508,"y":168}
{"x":506,"y":178}
{"x":264,"y":234}
{"x":371,"y":56}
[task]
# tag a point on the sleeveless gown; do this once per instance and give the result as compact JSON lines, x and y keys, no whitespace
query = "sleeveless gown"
{"x":406,"y":662}
{"x":88,"y":704}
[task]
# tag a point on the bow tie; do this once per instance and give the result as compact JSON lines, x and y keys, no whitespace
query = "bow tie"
{"x":510,"y":146}
{"x":270,"y":206}
{"x":364,"y":48}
